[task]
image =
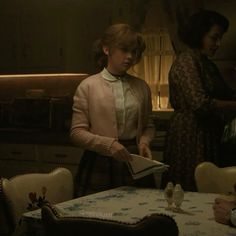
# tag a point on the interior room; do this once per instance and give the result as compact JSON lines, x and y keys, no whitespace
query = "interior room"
{"x":46,"y":51}
{"x":56,"y":37}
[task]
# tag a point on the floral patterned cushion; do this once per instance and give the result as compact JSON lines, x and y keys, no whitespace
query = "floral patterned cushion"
{"x":37,"y":202}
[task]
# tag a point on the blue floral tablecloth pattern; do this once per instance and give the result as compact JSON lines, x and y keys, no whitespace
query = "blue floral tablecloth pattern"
{"x":129,"y":204}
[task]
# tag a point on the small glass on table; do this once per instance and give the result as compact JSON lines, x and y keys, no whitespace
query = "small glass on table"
{"x":178,"y":197}
{"x":168,"y":193}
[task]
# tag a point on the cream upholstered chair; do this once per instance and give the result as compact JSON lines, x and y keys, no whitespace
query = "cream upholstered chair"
{"x":213,"y":179}
{"x":25,"y":192}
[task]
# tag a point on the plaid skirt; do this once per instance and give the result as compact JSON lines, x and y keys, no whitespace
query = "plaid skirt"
{"x":99,"y":173}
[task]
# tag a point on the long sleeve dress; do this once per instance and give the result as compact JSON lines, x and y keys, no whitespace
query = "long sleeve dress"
{"x":196,"y":126}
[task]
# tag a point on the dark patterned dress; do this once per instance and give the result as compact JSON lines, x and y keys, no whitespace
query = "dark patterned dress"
{"x":196,"y":127}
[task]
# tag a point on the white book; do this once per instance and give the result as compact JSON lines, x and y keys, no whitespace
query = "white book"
{"x":141,"y":166}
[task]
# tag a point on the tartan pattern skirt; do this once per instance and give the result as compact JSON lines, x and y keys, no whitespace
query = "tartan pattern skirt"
{"x":99,"y":173}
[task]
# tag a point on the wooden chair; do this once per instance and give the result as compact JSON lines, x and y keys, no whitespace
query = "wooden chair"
{"x":55,"y":224}
{"x":213,"y":179}
{"x":26,"y":192}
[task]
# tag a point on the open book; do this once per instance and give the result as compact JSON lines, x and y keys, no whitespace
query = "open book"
{"x":141,"y":166}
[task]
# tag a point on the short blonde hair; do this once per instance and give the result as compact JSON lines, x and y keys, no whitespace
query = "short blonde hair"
{"x":119,"y":36}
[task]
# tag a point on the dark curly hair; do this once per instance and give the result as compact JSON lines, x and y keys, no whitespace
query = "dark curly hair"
{"x":118,"y":36}
{"x":199,"y":24}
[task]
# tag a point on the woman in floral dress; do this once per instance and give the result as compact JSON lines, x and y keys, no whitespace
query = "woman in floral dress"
{"x":200,"y":99}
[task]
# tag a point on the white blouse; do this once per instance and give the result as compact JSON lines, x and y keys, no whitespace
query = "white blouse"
{"x":126,"y":106}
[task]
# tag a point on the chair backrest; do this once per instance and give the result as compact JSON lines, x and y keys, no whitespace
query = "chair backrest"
{"x":213,"y":179}
{"x":19,"y":193}
{"x":55,"y":224}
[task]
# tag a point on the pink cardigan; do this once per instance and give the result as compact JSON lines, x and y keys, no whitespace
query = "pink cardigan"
{"x":94,"y":116}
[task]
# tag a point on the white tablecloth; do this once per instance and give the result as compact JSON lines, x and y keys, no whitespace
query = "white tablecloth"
{"x":129,"y":204}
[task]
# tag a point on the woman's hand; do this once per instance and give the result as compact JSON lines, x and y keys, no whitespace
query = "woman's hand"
{"x":222,"y":210}
{"x":119,"y":152}
{"x":144,"y":150}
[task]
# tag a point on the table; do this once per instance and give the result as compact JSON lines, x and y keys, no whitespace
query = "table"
{"x":129,"y":204}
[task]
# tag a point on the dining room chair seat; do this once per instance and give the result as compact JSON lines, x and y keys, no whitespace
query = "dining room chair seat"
{"x":56,"y":224}
{"x":30,"y":191}
{"x":213,"y":179}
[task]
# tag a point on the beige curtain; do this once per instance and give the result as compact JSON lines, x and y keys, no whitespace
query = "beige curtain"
{"x":162,"y":45}
{"x":155,"y":65}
